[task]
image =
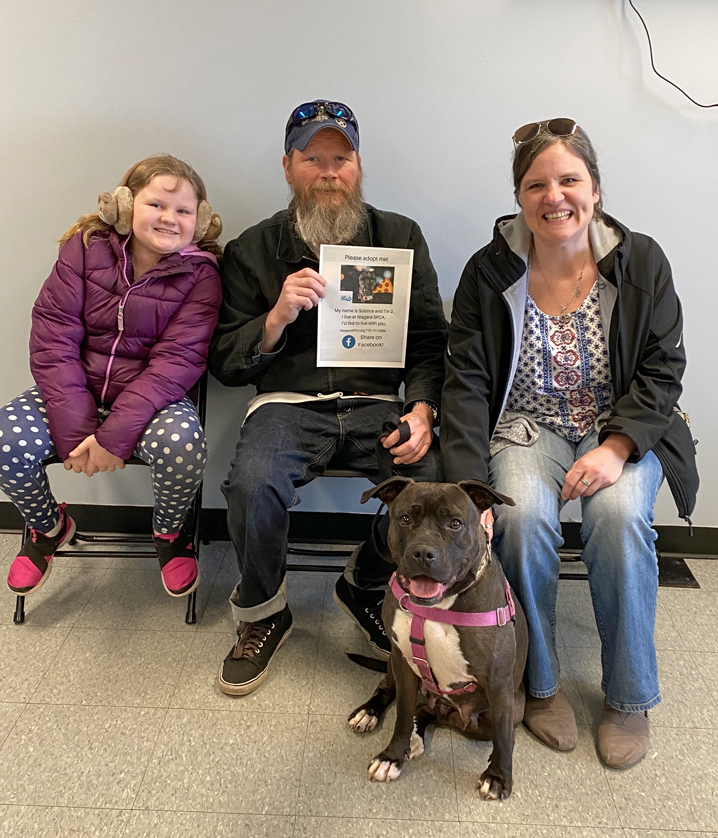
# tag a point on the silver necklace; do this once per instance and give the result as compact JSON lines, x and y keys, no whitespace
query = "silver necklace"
{"x":564,"y":318}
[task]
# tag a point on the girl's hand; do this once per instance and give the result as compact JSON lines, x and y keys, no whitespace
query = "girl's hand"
{"x":599,"y":468}
{"x":77,"y":464}
{"x":98,"y":458}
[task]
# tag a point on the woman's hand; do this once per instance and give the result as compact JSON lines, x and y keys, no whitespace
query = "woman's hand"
{"x":487,"y":522}
{"x":98,"y":458}
{"x":598,"y":468}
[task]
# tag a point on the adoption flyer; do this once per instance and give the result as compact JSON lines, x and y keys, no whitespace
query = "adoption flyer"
{"x":364,"y":316}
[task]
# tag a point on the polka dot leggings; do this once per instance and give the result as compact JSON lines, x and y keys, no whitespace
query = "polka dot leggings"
{"x":173,"y":445}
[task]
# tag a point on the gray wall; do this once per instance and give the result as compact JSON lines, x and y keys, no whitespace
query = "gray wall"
{"x":89,"y":88}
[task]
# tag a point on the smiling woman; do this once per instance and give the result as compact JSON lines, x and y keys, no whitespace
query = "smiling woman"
{"x":564,"y":368}
{"x":557,"y":196}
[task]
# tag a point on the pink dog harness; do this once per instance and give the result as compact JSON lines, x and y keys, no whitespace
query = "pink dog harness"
{"x":421,"y":614}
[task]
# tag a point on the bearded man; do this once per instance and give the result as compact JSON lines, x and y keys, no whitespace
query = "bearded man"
{"x":305,"y":418}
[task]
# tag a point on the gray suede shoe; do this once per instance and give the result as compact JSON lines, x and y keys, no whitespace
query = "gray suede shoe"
{"x":623,"y":738}
{"x":552,"y":721}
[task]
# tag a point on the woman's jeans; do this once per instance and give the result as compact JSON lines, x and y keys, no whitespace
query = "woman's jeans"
{"x":619,"y":553}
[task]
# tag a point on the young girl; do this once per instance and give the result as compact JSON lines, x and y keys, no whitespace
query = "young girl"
{"x":119,"y":335}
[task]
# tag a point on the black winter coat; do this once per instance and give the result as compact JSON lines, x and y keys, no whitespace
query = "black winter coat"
{"x":254,"y":268}
{"x":645,"y":346}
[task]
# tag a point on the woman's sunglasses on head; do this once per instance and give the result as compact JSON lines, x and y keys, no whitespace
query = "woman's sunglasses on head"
{"x":557,"y":127}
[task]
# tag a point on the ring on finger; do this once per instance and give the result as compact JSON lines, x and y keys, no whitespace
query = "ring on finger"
{"x":585,"y":482}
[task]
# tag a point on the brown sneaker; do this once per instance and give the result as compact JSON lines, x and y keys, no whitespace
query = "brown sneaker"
{"x":246,"y":665}
{"x":552,"y":721}
{"x":623,"y":738}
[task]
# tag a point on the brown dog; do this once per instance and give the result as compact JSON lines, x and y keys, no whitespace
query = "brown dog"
{"x":475,"y":684}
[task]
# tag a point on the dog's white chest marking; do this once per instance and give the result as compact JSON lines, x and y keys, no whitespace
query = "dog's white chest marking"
{"x":443,"y":650}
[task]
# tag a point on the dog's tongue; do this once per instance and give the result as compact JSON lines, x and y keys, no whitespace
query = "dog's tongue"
{"x":424,"y":587}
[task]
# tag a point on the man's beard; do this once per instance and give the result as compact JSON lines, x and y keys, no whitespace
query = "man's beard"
{"x":320,"y":221}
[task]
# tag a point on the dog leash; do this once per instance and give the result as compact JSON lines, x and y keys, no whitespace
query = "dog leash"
{"x":420,"y":614}
{"x":384,"y":458}
{"x":385,"y":461}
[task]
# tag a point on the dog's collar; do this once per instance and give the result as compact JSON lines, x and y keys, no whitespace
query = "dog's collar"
{"x":486,"y":557}
{"x":421,"y":613}
{"x":475,"y":619}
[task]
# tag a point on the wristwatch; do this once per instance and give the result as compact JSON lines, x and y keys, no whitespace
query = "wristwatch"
{"x":432,"y":407}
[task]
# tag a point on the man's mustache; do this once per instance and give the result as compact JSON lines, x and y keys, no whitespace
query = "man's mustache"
{"x":329,"y":186}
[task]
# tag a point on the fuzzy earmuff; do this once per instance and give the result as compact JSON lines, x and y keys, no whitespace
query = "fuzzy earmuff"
{"x":204,"y":219}
{"x":115,"y":209}
{"x":214,"y":229}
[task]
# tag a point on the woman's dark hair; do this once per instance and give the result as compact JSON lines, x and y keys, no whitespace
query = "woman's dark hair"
{"x":577,"y":143}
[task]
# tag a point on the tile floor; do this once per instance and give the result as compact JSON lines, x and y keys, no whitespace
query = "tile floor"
{"x":111,"y":723}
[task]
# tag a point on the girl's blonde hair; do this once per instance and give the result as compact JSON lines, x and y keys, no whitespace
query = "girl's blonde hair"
{"x":135,"y":179}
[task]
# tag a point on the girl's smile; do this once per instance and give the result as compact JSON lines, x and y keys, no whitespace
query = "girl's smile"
{"x":163,"y":219}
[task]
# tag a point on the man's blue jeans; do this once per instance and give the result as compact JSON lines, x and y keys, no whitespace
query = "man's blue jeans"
{"x":619,"y":553}
{"x":282,"y":447}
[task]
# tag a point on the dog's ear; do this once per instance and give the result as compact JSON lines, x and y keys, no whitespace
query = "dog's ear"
{"x":388,"y":490}
{"x":482,"y":495}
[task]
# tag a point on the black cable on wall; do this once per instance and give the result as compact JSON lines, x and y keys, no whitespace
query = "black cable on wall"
{"x":650,"y":49}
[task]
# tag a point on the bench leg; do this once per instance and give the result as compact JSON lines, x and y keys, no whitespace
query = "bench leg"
{"x":19,"y":616}
{"x":191,"y":617}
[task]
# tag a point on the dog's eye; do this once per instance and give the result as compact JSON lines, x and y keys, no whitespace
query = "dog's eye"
{"x":405,"y":520}
{"x":455,"y":524}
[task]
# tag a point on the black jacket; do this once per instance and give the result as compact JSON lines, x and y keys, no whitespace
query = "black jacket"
{"x":254,"y":268}
{"x":645,"y":346}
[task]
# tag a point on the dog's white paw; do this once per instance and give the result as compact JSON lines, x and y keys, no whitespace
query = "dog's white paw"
{"x":416,"y":745}
{"x":383,"y":771}
{"x":363,"y":721}
{"x":491,"y":788}
{"x":486,"y":792}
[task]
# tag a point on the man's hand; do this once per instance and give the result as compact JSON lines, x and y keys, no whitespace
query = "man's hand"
{"x":301,"y":292}
{"x":98,"y":458}
{"x":421,"y":421}
{"x":598,"y":468}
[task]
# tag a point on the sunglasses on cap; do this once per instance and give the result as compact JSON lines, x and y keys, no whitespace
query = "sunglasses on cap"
{"x":311,"y":109}
{"x":557,"y":127}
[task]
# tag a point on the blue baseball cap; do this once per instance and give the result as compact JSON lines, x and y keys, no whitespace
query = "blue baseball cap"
{"x":312,"y":117}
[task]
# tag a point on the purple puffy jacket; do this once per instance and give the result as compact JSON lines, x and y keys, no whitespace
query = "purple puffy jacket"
{"x":99,"y":339}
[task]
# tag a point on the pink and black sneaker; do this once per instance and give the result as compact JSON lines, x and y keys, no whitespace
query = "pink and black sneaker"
{"x":178,"y":563}
{"x":33,"y":564}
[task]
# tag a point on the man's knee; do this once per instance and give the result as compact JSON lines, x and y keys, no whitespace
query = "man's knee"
{"x":257,"y":476}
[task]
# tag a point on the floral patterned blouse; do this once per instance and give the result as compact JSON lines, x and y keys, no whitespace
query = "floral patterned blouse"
{"x":563,"y":377}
